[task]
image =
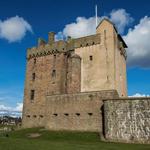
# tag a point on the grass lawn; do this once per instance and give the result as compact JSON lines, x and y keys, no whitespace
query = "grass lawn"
{"x":49,"y":140}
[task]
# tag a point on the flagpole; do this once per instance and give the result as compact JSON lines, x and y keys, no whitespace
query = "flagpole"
{"x":96,"y":14}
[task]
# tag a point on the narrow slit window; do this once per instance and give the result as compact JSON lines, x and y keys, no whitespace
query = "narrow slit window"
{"x":91,"y":58}
{"x":55,"y":115}
{"x":90,"y":114}
{"x":34,"y":60}
{"x":34,"y":116}
{"x":105,"y":34}
{"x":66,"y":114}
{"x":32,"y":95}
{"x":54,"y":73}
{"x":107,"y":78}
{"x":78,"y":114}
{"x":33,"y":76}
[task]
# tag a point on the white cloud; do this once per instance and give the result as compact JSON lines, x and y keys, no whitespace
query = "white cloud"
{"x":138,"y":43}
{"x":82,"y":27}
{"x":137,"y":38}
{"x":87,"y":26}
{"x":17,"y":108}
{"x":140,"y":95}
{"x":14,"y":29}
{"x":11,"y":111}
{"x":121,"y":19}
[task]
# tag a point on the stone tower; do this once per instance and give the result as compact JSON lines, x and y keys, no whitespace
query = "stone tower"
{"x":103,"y":64}
{"x":87,"y":64}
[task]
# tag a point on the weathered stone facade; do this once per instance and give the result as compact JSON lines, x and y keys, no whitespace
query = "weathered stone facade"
{"x":127,"y":120}
{"x":75,"y":66}
{"x":80,"y":111}
{"x":67,"y":82}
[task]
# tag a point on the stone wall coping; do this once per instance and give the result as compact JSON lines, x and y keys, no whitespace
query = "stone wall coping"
{"x":80,"y":93}
{"x":128,"y":98}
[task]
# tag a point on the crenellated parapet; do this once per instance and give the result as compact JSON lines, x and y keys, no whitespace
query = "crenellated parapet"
{"x":61,"y":46}
{"x":47,"y":49}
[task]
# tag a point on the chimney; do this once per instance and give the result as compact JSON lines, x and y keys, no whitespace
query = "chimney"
{"x":51,"y":37}
{"x":41,"y":42}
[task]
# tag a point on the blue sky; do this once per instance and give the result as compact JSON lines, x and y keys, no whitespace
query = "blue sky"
{"x":32,"y":19}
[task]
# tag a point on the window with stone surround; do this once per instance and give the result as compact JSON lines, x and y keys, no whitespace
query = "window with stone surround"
{"x":90,"y":114}
{"x":66,"y":114}
{"x":32,"y":94}
{"x":55,"y":56}
{"x":34,"y":60}
{"x":77,"y":114}
{"x":33,"y":76}
{"x":53,"y":73}
{"x":55,"y":114}
{"x":105,"y":34}
{"x":107,"y":78}
{"x":91,"y":58}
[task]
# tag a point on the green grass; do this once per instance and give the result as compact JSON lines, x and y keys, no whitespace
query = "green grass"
{"x":49,"y":140}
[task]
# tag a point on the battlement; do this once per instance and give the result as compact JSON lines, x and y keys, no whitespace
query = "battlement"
{"x":61,"y":46}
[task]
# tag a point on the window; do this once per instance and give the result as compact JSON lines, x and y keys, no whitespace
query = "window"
{"x":107,"y":78}
{"x":28,"y":116}
{"x":55,"y":114}
{"x":78,"y":114}
{"x":54,"y":73}
{"x":34,"y":116}
{"x":34,"y":60}
{"x":91,"y":58}
{"x":33,"y":76}
{"x":105,"y":34}
{"x":32,"y":95}
{"x":90,"y":114}
{"x":41,"y":116}
{"x":66,"y":114}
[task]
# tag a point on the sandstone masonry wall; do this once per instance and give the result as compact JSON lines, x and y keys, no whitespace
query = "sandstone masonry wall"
{"x":127,"y":120}
{"x":79,"y":112}
{"x":48,"y":75}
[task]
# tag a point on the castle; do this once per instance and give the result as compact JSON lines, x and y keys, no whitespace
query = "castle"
{"x":71,"y":83}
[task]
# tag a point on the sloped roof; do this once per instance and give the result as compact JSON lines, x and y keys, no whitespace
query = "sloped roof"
{"x":119,"y":36}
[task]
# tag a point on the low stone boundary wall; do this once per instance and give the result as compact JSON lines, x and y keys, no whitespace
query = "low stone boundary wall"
{"x":78,"y":112}
{"x":127,"y":120}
